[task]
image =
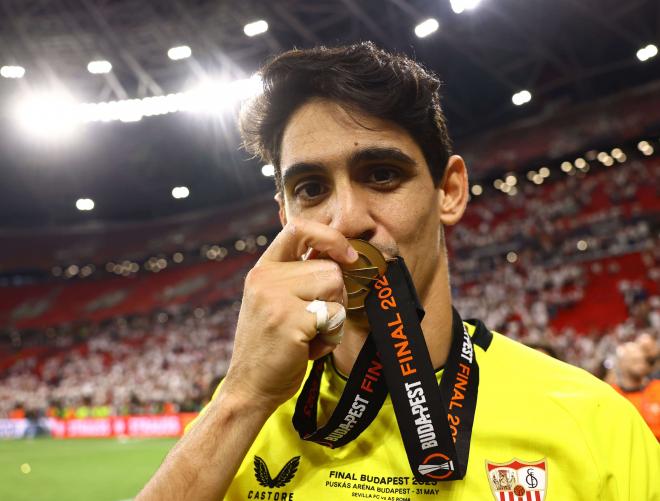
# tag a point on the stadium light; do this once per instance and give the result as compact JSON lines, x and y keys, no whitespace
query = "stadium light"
{"x":84,"y":204}
{"x":425,"y":28}
{"x":477,"y":190}
{"x":648,"y":52}
{"x":262,"y":240}
{"x":268,"y":170}
{"x":12,"y":72}
{"x":71,"y":271}
{"x":49,"y":115}
{"x":218,"y":96}
{"x":55,"y":114}
{"x":460,"y":6}
{"x":580,"y":163}
{"x":180,"y":192}
{"x":645,"y":148}
{"x":255,"y":28}
{"x":99,"y":67}
{"x":179,"y":52}
{"x":522,"y":97}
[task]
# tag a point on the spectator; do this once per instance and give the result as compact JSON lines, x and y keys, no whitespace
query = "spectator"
{"x":633,"y":382}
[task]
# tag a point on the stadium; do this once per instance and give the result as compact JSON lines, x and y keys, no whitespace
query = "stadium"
{"x":131,"y":213}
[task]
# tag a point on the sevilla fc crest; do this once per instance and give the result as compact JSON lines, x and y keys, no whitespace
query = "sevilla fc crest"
{"x":518,"y":480}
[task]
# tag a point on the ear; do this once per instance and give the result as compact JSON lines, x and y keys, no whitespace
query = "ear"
{"x":453,"y":191}
{"x":282,"y":212}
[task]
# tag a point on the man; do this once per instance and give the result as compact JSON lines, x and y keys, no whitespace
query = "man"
{"x":634,"y":363}
{"x":649,"y":345}
{"x":360,"y":148}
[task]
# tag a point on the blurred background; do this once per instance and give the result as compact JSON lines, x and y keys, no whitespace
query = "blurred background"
{"x":129,"y":215}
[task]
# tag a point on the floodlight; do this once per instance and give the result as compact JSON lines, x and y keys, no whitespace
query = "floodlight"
{"x":255,"y":28}
{"x":84,"y":204}
{"x":180,"y":52}
{"x":180,"y":192}
{"x":522,"y":97}
{"x":12,"y":72}
{"x":99,"y":67}
{"x":460,"y":6}
{"x":648,"y":52}
{"x":216,"y":96}
{"x":268,"y":170}
{"x":425,"y":28}
{"x":51,"y":115}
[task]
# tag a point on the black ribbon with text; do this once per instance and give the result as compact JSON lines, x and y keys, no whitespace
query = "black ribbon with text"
{"x":435,"y":426}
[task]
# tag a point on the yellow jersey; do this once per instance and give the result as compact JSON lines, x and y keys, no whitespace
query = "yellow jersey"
{"x":543,"y":430}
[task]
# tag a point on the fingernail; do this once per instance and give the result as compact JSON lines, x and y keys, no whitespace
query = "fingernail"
{"x":352,"y":253}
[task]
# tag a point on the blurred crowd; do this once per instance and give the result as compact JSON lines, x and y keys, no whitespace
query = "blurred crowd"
{"x":577,"y":218}
{"x":517,"y":263}
{"x":166,"y":363}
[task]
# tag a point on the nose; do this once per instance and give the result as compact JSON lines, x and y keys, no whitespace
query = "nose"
{"x":351,"y":214}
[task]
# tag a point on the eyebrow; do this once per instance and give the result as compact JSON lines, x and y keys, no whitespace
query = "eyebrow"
{"x":365,"y":155}
{"x":379,"y":153}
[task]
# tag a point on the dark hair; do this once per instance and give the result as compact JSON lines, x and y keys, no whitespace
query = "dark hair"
{"x":360,"y":76}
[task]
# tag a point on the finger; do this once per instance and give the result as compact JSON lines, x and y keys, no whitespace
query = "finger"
{"x":309,"y":280}
{"x":325,"y":342}
{"x":328,"y":320}
{"x":300,"y":235}
{"x":334,"y":332}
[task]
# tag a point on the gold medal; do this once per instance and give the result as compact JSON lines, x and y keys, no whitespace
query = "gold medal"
{"x":359,"y":275}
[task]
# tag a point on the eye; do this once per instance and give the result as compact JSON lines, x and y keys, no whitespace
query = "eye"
{"x":384,"y":176}
{"x":309,"y":191}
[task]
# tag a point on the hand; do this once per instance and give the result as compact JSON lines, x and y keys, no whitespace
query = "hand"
{"x":276,"y":336}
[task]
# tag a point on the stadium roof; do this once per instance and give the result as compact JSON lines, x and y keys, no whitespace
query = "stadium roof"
{"x":563,"y":52}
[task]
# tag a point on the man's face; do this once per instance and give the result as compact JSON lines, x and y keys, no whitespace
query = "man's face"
{"x":633,"y":362}
{"x":367,"y":178}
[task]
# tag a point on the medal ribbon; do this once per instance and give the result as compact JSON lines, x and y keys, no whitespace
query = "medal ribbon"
{"x":435,"y":426}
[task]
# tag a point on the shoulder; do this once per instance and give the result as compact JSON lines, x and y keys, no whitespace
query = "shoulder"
{"x":550,"y":382}
{"x":562,"y":389}
{"x":507,"y":356}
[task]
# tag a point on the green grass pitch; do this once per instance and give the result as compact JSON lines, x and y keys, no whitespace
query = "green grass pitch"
{"x":78,"y":470}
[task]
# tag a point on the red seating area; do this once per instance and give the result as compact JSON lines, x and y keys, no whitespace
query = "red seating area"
{"x":46,"y":305}
{"x":603,"y":306}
